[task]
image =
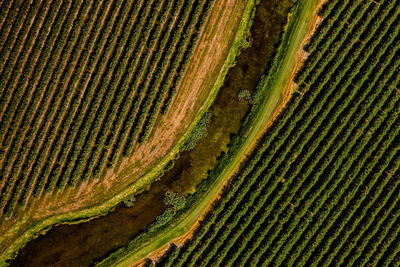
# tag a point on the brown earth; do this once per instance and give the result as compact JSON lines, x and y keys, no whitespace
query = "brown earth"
{"x":201,"y":74}
{"x":288,"y":90}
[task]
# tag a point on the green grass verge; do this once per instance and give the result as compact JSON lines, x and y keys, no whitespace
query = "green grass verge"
{"x":269,"y":96}
{"x":136,"y":187}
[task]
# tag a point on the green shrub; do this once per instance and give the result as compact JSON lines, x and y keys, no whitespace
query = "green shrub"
{"x":162,"y":219}
{"x":129,"y":201}
{"x":198,"y":132}
{"x":174,"y":200}
{"x":245,"y":95}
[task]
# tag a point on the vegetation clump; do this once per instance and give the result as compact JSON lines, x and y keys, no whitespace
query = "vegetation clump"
{"x":198,"y":132}
{"x":129,"y":201}
{"x":245,"y":95}
{"x":172,"y":199}
{"x":162,"y":219}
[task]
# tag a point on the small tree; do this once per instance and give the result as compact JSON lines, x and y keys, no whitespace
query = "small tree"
{"x":129,"y":201}
{"x":174,"y":200}
{"x":245,"y":95}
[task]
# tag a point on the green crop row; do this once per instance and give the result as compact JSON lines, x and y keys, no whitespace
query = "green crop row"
{"x":324,"y":163}
{"x":81,"y":84}
{"x":59,"y":49}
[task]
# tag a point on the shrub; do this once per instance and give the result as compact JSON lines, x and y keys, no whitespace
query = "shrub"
{"x":198,"y":132}
{"x":129,"y":201}
{"x":245,"y":95}
{"x":174,"y":200}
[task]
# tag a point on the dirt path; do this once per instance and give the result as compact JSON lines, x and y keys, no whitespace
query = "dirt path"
{"x":288,"y":90}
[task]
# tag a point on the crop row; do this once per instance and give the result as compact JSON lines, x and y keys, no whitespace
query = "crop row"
{"x":344,"y":128}
{"x":68,"y":71}
{"x":112,"y":119}
{"x":134,"y":100}
{"x":287,"y":198}
{"x":296,"y":164}
{"x":341,"y":155}
{"x":21,"y":36}
{"x":13,"y":158}
{"x":62,"y":47}
{"x":76,"y":78}
{"x":64,"y":120}
{"x":99,"y":92}
{"x":148,"y":87}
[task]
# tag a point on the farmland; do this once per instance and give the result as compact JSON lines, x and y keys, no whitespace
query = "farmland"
{"x":200,"y":149}
{"x":96,"y":98}
{"x":322,"y":187}
{"x":92,"y":236}
{"x":62,"y":119}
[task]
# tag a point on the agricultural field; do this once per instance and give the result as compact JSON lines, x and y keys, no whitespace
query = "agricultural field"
{"x":108,"y":109}
{"x":322,"y":188}
{"x":75,"y":100}
{"x":93,"y":95}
